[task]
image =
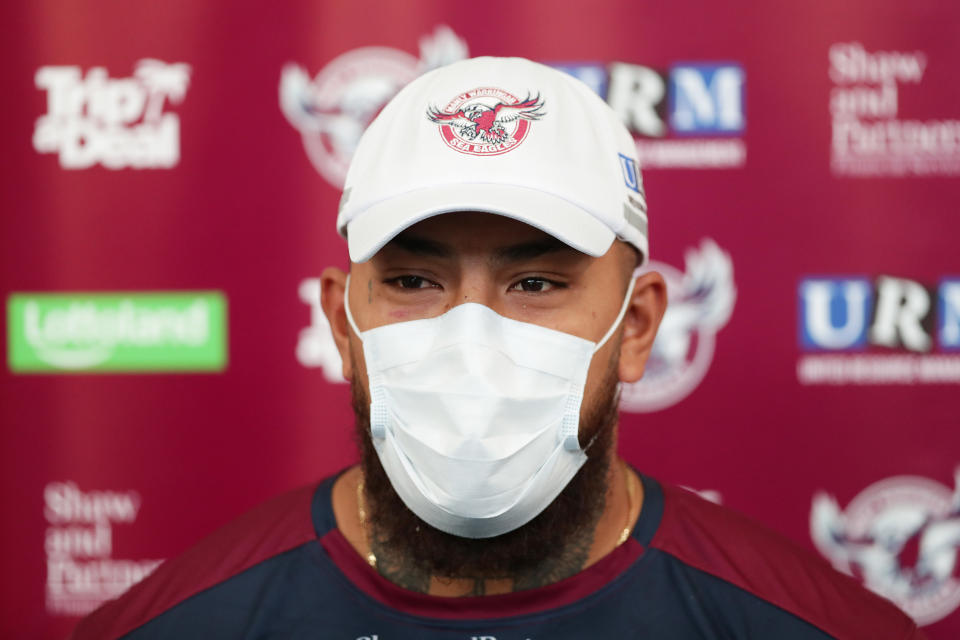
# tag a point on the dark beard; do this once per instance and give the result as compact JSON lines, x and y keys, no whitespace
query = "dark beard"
{"x":552,"y":546}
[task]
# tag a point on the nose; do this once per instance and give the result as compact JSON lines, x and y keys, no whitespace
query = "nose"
{"x":477,"y":287}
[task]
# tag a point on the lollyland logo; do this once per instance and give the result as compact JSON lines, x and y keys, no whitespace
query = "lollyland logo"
{"x":900,"y":536}
{"x":116,"y":122}
{"x":486,"y":121}
{"x":701,"y":302}
{"x":333,"y":109}
{"x":117,"y":332}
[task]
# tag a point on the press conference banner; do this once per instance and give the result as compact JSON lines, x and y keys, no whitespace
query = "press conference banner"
{"x":171,"y":178}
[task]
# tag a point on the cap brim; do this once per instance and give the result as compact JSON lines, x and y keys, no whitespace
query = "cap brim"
{"x":570,"y":223}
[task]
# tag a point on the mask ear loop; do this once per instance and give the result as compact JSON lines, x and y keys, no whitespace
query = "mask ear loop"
{"x":571,"y":439}
{"x":346,"y":307}
{"x":616,"y":402}
{"x":623,"y":312}
{"x":378,"y":413}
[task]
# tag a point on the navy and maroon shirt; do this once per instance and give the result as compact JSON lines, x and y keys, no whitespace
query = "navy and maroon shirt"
{"x":690,"y":569}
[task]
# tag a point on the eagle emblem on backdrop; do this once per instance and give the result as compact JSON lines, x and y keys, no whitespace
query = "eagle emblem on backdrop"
{"x":486,"y":120}
{"x":334,"y":108}
{"x":701,"y":301}
{"x":900,"y":536}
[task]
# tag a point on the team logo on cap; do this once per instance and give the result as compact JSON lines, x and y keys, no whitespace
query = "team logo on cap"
{"x":486,"y":121}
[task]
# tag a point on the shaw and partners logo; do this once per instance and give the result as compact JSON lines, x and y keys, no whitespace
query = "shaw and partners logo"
{"x":887,"y":330}
{"x":56,"y":333}
{"x":79,"y":543}
{"x":701,"y":301}
{"x":870,"y":138}
{"x":115,"y":122}
{"x":900,"y":536}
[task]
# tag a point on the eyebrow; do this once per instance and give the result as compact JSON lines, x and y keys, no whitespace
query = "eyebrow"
{"x":421,"y":246}
{"x":530,"y":250}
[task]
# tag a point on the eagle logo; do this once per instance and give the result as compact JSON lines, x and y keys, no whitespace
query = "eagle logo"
{"x":701,"y":303}
{"x":486,"y":120}
{"x":901,"y":537}
{"x":332,"y":109}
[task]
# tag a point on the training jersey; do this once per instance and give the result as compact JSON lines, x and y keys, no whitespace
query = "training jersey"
{"x":690,"y":569}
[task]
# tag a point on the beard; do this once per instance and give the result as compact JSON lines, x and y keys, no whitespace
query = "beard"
{"x":550,"y":547}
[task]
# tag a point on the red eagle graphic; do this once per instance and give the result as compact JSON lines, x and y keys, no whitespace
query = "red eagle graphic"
{"x":487,"y":122}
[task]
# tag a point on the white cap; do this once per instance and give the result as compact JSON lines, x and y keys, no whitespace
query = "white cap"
{"x":500,"y":135}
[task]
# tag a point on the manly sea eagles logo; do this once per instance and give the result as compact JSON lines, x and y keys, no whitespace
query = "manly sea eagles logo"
{"x":901,"y":537}
{"x":333,"y":109}
{"x":486,"y":121}
{"x":701,"y":303}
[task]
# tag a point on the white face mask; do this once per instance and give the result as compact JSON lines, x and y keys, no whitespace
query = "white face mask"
{"x":475,"y":416}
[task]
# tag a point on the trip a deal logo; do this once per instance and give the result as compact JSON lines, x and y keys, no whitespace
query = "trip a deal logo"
{"x":118,"y":123}
{"x":117,"y":332}
{"x":878,"y":330}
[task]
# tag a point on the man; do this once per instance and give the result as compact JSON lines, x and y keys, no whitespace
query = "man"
{"x":495,"y":218}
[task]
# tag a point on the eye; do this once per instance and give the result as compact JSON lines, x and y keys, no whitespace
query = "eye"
{"x":534,"y":285}
{"x":410,"y":282}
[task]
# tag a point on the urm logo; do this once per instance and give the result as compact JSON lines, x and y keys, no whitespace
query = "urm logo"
{"x":833,"y":313}
{"x":695,"y":99}
{"x":948,"y":323}
{"x":706,"y":99}
{"x":850,"y":314}
{"x":631,"y":175}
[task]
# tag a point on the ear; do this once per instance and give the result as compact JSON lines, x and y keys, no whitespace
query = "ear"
{"x":647,"y":305}
{"x":333,"y":287}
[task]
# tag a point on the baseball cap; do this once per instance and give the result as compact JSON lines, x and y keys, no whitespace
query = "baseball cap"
{"x":500,"y":135}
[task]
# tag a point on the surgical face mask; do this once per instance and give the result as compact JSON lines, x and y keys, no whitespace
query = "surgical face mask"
{"x":475,"y":416}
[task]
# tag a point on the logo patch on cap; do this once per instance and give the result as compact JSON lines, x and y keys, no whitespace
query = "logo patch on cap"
{"x":486,"y":121}
{"x":631,"y":175}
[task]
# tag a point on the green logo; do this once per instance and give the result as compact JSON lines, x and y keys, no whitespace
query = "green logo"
{"x":156,"y":331}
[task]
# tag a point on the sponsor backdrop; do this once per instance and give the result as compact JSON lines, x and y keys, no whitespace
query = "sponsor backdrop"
{"x":171,"y":175}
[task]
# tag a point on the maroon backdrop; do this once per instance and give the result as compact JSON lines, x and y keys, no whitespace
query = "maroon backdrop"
{"x":801,"y":165}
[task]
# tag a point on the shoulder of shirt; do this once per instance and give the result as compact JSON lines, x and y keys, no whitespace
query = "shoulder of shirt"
{"x":266,"y":531}
{"x":744,"y":553}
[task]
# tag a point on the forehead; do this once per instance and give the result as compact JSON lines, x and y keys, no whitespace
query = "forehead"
{"x":476,"y":232}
